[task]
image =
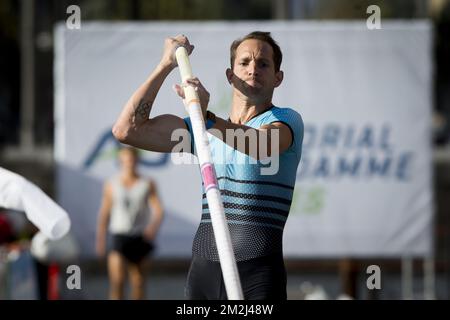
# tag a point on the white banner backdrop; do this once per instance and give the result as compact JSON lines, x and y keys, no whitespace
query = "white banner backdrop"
{"x":364,"y":186}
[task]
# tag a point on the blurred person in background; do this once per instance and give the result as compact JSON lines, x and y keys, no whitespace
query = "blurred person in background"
{"x":127,"y":200}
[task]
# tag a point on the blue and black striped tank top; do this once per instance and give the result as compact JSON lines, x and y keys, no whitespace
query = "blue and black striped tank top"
{"x":256,"y":203}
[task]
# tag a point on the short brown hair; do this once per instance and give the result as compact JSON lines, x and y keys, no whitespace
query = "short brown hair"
{"x":263,"y":36}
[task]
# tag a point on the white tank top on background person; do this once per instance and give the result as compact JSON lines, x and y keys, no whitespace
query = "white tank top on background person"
{"x":130,"y":211}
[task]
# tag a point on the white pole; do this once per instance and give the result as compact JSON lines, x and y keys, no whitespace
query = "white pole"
{"x":219,"y":222}
{"x":407,"y":278}
{"x":429,"y":292}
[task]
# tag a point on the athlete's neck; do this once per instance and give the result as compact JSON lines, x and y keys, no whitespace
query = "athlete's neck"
{"x":243,"y":110}
{"x":128,"y":175}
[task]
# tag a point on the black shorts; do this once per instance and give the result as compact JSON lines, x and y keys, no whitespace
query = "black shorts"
{"x":133,"y":248}
{"x":261,"y":279}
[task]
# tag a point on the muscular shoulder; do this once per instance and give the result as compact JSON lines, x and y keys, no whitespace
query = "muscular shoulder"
{"x":290,"y":118}
{"x":285,"y":114}
{"x":151,"y":184}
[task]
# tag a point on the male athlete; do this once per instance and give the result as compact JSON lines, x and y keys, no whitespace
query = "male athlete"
{"x":256,"y":204}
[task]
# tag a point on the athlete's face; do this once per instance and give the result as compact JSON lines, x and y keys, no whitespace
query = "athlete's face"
{"x":254,"y":69}
{"x":127,"y":160}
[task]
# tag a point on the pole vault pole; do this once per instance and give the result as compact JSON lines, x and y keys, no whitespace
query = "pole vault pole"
{"x":219,"y":222}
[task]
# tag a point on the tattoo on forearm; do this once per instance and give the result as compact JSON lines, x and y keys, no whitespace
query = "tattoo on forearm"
{"x":143,"y":109}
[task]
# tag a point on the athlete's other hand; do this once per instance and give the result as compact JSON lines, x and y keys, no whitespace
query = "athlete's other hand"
{"x":203,"y":94}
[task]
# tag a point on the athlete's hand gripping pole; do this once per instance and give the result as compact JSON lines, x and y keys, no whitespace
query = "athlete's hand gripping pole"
{"x":219,"y":223}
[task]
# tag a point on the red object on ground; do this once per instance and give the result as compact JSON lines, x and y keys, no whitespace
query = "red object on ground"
{"x":53,"y":281}
{"x":6,"y":232}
